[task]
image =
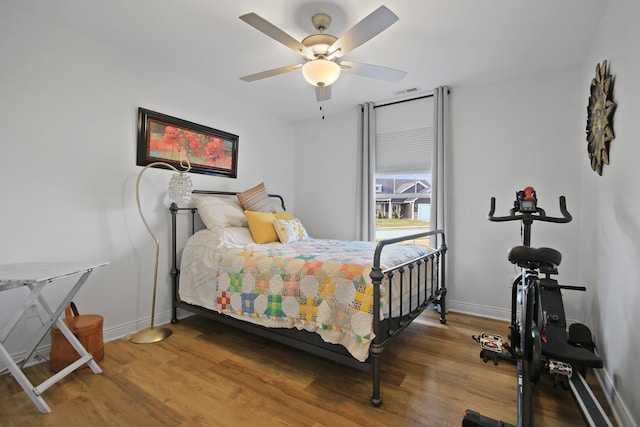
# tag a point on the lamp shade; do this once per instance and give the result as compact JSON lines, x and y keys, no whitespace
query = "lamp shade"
{"x":321,"y":72}
{"x":180,"y":188}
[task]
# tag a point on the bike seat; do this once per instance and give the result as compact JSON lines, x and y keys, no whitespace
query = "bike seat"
{"x":545,"y":259}
{"x":557,"y":348}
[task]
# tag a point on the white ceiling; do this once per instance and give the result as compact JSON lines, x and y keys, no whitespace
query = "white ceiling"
{"x":438,"y":42}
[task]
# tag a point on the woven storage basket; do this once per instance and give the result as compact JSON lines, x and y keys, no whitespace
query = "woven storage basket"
{"x":87,"y":328}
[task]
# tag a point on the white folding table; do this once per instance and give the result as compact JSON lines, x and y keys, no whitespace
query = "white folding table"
{"x":35,"y":276}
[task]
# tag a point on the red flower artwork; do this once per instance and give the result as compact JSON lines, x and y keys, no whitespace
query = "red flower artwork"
{"x":165,"y":138}
{"x":170,"y":142}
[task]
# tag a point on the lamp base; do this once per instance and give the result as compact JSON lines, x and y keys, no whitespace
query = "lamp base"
{"x":150,"y":335}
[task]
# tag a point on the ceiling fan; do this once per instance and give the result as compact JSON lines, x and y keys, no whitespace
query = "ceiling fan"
{"x":322,"y":53}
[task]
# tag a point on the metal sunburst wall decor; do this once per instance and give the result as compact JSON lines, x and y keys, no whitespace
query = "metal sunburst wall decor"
{"x":600,"y":118}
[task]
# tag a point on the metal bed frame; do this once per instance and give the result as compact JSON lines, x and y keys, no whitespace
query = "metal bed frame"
{"x":431,"y":290}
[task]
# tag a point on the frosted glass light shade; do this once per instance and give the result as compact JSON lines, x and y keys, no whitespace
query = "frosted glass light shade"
{"x":180,"y":188}
{"x":321,"y":72}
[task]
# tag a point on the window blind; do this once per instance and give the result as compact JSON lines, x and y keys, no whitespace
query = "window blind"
{"x":404,"y":151}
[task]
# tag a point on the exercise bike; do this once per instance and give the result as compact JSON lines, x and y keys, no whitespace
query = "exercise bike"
{"x":538,"y":338}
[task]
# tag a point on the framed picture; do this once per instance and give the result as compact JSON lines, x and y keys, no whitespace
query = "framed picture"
{"x":163,"y":138}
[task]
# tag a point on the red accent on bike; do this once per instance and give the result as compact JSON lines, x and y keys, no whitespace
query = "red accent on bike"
{"x":543,"y":335}
{"x":529,"y":193}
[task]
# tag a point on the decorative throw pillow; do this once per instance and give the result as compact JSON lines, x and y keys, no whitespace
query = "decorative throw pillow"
{"x":290,"y":230}
{"x":256,"y":199}
{"x":261,"y":225}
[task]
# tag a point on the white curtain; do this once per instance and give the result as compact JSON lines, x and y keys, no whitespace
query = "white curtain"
{"x":440,"y":150}
{"x":365,"y":188}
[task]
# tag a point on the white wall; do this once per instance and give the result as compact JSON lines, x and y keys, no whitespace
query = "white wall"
{"x":610,"y":232}
{"x":325,"y":174}
{"x":68,"y":114}
{"x":507,"y":135}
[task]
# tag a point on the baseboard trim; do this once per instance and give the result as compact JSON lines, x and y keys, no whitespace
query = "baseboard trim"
{"x":619,"y":408}
{"x":123,"y":331}
{"x":479,"y":310}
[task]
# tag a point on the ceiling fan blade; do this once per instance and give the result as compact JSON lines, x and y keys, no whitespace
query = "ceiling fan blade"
{"x":275,"y":33}
{"x":323,"y":93}
{"x":271,"y":73}
{"x":369,"y":27}
{"x":373,"y":71}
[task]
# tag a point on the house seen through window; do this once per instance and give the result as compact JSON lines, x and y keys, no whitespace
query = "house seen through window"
{"x":403,"y":204}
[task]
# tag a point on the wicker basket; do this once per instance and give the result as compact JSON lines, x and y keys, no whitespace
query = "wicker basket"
{"x":87,"y":328}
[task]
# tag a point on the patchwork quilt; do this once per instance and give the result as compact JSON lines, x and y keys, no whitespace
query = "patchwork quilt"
{"x":321,"y":286}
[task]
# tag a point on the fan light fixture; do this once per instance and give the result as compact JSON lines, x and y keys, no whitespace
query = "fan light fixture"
{"x":320,"y":51}
{"x":321,"y":72}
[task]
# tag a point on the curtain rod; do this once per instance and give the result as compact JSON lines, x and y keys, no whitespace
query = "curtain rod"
{"x":406,"y":100}
{"x":402,"y":100}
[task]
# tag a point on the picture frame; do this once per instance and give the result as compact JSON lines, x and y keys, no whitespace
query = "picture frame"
{"x":162,"y":138}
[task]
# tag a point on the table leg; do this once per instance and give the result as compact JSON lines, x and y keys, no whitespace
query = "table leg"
{"x":23,"y":381}
{"x":36,"y":290}
{"x":54,"y":315}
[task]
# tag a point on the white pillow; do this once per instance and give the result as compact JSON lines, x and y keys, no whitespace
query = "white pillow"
{"x":290,"y":230}
{"x":220,"y":211}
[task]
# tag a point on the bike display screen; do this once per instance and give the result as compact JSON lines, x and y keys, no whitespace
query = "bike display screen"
{"x":527,"y":206}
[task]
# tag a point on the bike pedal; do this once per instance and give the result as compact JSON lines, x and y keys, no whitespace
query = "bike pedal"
{"x":557,"y":367}
{"x":491,"y":342}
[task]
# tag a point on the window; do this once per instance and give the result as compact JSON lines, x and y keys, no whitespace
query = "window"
{"x":404,"y":142}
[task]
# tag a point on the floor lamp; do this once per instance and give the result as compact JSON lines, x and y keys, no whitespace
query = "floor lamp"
{"x":180,"y":188}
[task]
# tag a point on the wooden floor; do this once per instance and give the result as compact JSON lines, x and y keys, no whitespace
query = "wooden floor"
{"x":209,"y":374}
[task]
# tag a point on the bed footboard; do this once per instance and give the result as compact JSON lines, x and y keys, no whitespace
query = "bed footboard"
{"x":425,"y":279}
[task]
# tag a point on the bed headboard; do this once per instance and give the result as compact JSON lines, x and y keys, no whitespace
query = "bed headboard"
{"x":174,"y":208}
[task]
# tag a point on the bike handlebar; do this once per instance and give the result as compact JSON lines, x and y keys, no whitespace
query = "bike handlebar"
{"x":538,"y":215}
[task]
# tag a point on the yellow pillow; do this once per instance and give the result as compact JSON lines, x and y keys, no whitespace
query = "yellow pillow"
{"x":261,"y":225}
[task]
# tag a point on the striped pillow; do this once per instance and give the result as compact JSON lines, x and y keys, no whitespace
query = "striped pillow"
{"x":256,"y":199}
